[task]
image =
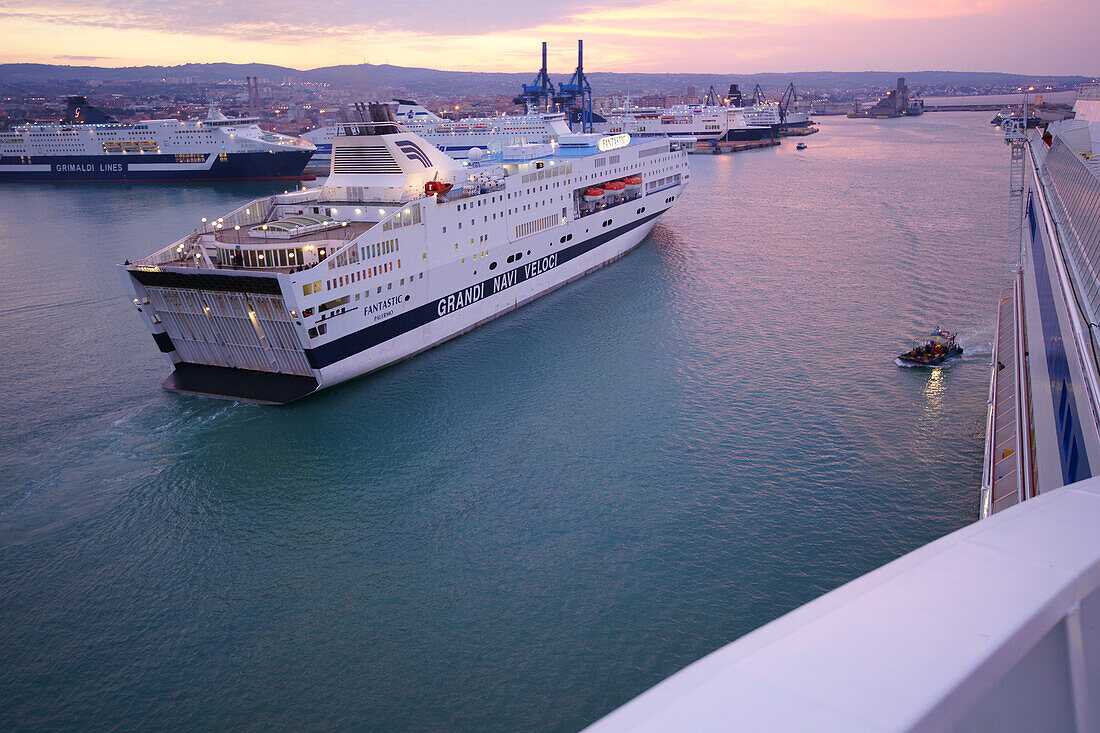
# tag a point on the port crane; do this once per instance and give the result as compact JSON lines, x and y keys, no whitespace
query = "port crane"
{"x":789,"y":97}
{"x":540,"y":92}
{"x":575,"y":93}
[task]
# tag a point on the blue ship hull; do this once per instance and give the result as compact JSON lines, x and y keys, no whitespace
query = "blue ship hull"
{"x":153,"y":167}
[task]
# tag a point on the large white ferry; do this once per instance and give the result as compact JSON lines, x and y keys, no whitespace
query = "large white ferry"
{"x":91,"y":146}
{"x":401,"y":249}
{"x":457,"y":138}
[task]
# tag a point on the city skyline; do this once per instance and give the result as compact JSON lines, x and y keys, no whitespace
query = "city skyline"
{"x":704,"y":36}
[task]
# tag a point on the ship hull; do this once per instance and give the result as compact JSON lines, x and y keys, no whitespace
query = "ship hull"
{"x":743,"y":134}
{"x":421,"y":329}
{"x":280,"y":165}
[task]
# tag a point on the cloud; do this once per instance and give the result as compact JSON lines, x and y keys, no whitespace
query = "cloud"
{"x":286,"y":19}
{"x":620,"y":35}
{"x":69,"y":57}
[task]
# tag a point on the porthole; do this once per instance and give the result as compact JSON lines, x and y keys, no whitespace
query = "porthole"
{"x":492,"y":265}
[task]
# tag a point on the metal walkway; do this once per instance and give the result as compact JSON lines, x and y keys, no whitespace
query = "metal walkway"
{"x":1008,"y":439}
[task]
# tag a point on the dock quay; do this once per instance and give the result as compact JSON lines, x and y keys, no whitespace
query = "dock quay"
{"x":799,"y":131}
{"x":716,"y":148}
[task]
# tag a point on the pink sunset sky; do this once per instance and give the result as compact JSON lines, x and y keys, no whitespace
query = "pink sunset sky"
{"x":706,"y":36}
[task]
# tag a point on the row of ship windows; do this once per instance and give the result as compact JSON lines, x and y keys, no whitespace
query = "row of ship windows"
{"x":525,"y":207}
{"x":353,"y":255}
{"x":321,"y":328}
{"x":55,"y":133}
{"x":359,"y":275}
{"x":260,"y":258}
{"x":409,"y":216}
{"x":661,"y":182}
{"x":144,"y":146}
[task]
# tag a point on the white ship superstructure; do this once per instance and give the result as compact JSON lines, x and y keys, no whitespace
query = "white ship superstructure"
{"x":401,"y":249}
{"x":699,"y":122}
{"x":215,"y":148}
{"x":457,"y":138}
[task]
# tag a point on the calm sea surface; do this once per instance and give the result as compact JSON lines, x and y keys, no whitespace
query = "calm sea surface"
{"x":527,"y":526}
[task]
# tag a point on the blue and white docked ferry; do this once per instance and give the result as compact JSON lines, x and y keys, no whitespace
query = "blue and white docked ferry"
{"x":92,"y":146}
{"x":401,"y":249}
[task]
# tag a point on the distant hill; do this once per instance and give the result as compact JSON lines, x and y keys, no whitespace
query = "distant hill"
{"x":435,"y":81}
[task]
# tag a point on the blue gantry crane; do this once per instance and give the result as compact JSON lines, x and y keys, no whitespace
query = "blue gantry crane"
{"x":576,"y":94}
{"x":540,"y":93}
{"x":573,"y":97}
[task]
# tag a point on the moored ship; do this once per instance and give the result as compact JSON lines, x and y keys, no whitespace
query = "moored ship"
{"x":401,"y":249}
{"x":92,"y":146}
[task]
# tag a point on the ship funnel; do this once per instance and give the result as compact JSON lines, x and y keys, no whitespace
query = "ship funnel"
{"x":736,"y":99}
{"x":374,"y":118}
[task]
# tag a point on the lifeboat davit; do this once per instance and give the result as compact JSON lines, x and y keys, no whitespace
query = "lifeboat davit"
{"x":593,"y":194}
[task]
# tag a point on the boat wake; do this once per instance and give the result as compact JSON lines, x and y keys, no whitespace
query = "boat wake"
{"x":945,"y":364}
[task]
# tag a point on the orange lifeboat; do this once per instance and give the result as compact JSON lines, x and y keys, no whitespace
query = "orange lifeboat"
{"x":615,"y":188}
{"x":593,"y":195}
{"x":633,"y":184}
{"x":437,"y":187}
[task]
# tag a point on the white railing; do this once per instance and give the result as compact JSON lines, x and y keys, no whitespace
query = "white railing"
{"x":254,"y":212}
{"x":1081,"y":333}
{"x":1022,"y":394}
{"x":985,"y":504}
{"x":994,"y":627}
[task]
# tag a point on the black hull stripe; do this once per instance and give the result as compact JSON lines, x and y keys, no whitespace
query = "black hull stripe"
{"x":206,"y":280}
{"x":371,"y":336}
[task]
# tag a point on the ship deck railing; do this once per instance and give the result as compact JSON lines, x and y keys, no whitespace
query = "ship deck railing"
{"x":342,"y":232}
{"x":993,"y":627}
{"x":1065,"y":209}
{"x":254,"y":213}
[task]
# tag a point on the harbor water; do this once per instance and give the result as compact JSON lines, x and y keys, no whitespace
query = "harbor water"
{"x":527,"y":526}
